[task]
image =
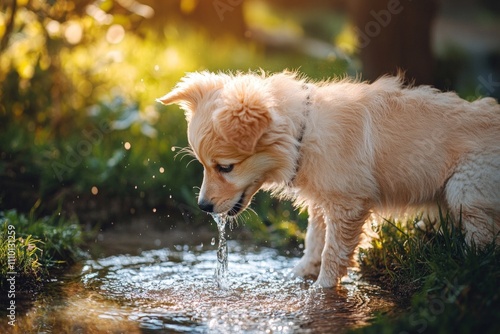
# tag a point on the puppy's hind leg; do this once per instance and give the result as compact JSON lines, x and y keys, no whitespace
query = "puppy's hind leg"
{"x":310,"y":262}
{"x":474,"y":193}
{"x":344,"y":227}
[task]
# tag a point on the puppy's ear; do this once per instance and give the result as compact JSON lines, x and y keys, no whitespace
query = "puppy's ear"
{"x":245,"y":113}
{"x":192,"y":89}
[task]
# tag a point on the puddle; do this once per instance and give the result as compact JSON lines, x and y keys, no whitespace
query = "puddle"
{"x":173,"y":290}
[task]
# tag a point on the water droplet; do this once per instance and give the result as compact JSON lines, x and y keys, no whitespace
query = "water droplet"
{"x":212,"y":242}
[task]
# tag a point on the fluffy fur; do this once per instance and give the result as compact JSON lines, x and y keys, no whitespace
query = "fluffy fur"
{"x":342,"y":149}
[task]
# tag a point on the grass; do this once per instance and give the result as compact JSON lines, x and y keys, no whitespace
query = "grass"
{"x":452,"y":286}
{"x":32,"y":247}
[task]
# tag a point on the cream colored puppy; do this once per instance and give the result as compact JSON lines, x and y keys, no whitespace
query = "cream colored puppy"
{"x":342,"y":149}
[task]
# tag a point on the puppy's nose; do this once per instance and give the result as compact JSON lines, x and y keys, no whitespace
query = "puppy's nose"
{"x":206,"y":206}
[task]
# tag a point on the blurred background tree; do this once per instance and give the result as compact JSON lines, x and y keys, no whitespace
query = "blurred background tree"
{"x":79,"y":128}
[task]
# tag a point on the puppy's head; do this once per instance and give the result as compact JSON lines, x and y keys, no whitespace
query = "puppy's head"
{"x":227,"y":116}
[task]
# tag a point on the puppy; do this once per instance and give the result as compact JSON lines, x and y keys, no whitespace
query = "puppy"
{"x":342,"y":149}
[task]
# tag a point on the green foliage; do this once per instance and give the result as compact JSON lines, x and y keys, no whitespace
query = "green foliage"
{"x":78,"y":118}
{"x":31,"y":247}
{"x":454,"y":286}
{"x":20,"y":255}
{"x":277,"y":222}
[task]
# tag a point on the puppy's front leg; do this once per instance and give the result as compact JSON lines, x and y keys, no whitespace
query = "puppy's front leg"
{"x":309,"y":264}
{"x":343,"y":231}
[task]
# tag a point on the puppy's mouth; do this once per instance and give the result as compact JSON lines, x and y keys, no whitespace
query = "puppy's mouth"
{"x":238,"y":206}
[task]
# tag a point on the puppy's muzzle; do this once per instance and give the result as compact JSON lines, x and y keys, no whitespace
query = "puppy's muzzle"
{"x":206,"y":206}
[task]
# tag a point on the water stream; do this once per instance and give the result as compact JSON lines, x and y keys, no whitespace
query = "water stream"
{"x":171,"y":289}
{"x":221,"y":270}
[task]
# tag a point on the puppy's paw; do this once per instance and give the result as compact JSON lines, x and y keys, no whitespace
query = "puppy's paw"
{"x":330,"y":276}
{"x":306,"y":268}
{"x":325,"y":282}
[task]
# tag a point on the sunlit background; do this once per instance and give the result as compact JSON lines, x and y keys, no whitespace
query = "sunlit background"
{"x":80,"y":130}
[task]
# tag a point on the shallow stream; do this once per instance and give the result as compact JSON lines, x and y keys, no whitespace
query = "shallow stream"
{"x":172,"y":289}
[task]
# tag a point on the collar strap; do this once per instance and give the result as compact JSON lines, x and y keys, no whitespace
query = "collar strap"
{"x":307,"y":110}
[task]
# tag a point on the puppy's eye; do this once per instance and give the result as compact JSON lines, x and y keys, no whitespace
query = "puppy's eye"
{"x":225,"y":168}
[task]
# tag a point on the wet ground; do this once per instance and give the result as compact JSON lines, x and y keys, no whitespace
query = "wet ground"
{"x":163,"y":282}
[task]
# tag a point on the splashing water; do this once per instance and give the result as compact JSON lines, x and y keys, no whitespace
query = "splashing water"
{"x":221,"y":270}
